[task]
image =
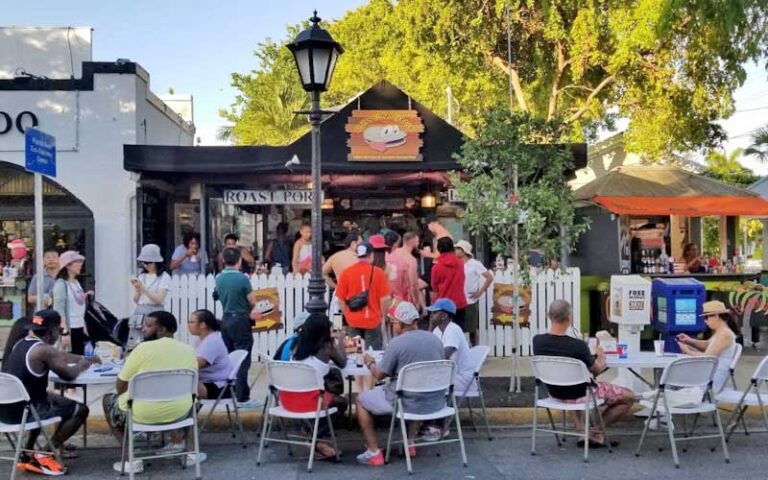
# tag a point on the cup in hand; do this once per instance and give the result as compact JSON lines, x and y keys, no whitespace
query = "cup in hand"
{"x":658,"y":347}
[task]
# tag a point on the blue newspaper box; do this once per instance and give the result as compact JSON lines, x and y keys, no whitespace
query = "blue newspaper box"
{"x":677,"y":307}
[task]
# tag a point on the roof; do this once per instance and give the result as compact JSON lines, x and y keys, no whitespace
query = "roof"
{"x":664,"y":190}
{"x":441,"y":141}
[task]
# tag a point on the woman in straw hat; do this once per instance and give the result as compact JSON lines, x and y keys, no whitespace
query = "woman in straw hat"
{"x":149,"y":291}
{"x":722,"y":343}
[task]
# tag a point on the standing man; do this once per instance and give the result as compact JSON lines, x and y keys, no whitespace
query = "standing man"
{"x":405,"y":284}
{"x":234,"y":291}
{"x":361,"y":277}
{"x":448,"y":279}
{"x":477,"y":279}
{"x":341,"y":260}
{"x":438,"y":231}
{"x":230,"y":241}
{"x":51,"y":265}
{"x":30,"y":360}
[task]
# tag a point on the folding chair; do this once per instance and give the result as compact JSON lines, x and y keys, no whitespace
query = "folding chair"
{"x":734,"y":364}
{"x":161,"y":386}
{"x":732,"y":374}
{"x":564,"y":372}
{"x":295,"y":377}
{"x":685,"y":372}
{"x":751,"y":397}
{"x":236,"y":359}
{"x":478,"y":355}
{"x":13,"y":391}
{"x":419,"y":378}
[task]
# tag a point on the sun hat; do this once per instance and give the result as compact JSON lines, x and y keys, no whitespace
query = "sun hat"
{"x":68,"y":257}
{"x":43,"y":320}
{"x":443,"y":305}
{"x":364,"y":249}
{"x":464,"y":245}
{"x":714,"y":307}
{"x":299,"y":320}
{"x":378,"y":242}
{"x":406,"y":313}
{"x":150,"y":253}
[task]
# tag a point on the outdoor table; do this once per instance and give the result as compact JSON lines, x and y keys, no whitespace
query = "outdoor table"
{"x":352,"y":370}
{"x":106,"y":375}
{"x":639,"y":360}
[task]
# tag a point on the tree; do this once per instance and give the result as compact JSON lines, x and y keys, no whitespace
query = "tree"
{"x":728,"y":169}
{"x":544,"y":204}
{"x":759,"y":147}
{"x":670,"y":66}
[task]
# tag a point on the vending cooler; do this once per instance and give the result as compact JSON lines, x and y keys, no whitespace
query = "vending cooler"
{"x":677,"y":306}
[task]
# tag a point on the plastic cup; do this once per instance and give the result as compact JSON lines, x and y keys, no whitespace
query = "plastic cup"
{"x":658,"y":347}
{"x":621,"y":349}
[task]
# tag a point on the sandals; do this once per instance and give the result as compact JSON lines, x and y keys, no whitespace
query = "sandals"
{"x":329,"y":454}
{"x":594,"y":444}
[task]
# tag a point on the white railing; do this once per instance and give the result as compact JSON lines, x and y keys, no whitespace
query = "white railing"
{"x":192,"y":292}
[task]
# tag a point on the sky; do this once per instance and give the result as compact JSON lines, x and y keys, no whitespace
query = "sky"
{"x":193,"y":47}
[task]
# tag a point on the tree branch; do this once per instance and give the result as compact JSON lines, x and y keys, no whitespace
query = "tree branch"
{"x":607,"y":80}
{"x":561,"y":64}
{"x":517,"y":86}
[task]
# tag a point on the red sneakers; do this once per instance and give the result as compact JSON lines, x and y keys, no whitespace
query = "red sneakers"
{"x":373,"y":459}
{"x":43,"y":464}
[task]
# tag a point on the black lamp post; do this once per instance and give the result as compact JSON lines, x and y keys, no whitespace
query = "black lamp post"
{"x":316,"y":52}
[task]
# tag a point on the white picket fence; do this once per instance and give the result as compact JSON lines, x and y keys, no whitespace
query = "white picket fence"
{"x":192,"y":292}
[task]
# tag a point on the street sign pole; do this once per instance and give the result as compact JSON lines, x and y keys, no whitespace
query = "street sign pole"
{"x":40,"y":277}
{"x":39,"y":158}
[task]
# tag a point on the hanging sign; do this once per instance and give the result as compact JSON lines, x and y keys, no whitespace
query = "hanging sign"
{"x":268,"y":197}
{"x":385,"y":136}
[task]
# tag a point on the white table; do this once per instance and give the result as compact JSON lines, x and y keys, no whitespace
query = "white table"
{"x":86,"y":378}
{"x":352,"y":370}
{"x":641,"y":360}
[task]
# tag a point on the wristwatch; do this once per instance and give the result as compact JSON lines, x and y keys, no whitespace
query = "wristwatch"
{"x":64,"y":333}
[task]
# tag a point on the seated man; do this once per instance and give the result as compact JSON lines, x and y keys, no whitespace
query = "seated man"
{"x":30,"y":360}
{"x":618,"y":400}
{"x":158,"y":351}
{"x":455,"y":347}
{"x":410,"y":345}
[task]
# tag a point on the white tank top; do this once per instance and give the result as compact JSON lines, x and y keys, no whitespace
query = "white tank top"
{"x":723,"y":370}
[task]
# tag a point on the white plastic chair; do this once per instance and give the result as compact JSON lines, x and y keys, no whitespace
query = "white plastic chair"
{"x":686,"y":372}
{"x":564,"y":372}
{"x":734,"y":364}
{"x":161,"y":386}
{"x":419,"y":378}
{"x":295,"y":377}
{"x":751,"y":397}
{"x":236,"y":359}
{"x":478,"y":354}
{"x":13,"y":391}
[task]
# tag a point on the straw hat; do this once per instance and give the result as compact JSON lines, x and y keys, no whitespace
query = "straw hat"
{"x":714,"y":307}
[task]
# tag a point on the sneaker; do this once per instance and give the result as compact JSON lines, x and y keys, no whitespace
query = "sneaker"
{"x":411,"y":450}
{"x":660,"y":424}
{"x":434,"y":434}
{"x":171,"y":448}
{"x":43,"y":464}
{"x":373,"y":459}
{"x":137,"y":467}
{"x":189,"y":459}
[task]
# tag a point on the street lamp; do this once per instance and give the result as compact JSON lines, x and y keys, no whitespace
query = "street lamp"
{"x":315,"y":53}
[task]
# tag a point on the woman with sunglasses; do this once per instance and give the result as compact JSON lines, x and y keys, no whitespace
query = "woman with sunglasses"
{"x":149,"y":291}
{"x":722,"y":343}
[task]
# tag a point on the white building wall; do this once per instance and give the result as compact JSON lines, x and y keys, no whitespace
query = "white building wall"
{"x":52,"y":52}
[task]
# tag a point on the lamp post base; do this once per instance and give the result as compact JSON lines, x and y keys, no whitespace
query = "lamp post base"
{"x":316,"y":302}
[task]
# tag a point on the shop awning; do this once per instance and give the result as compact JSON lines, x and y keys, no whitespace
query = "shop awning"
{"x":686,"y":206}
{"x":664,"y":190}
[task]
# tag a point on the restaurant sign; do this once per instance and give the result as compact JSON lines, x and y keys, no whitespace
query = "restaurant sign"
{"x":385,"y":136}
{"x":268,"y":197}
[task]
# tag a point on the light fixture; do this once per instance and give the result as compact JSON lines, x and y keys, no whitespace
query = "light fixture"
{"x":428,"y":201}
{"x":327,"y":204}
{"x":315,"y":53}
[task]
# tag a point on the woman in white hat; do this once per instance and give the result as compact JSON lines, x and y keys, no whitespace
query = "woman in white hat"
{"x":69,"y":300}
{"x":722,"y":343}
{"x":149,"y":291}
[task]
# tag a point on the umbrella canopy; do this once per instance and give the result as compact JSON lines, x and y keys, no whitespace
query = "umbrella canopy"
{"x":663,"y":190}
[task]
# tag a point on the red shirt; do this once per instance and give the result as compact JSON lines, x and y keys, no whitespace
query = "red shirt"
{"x":448,"y":279}
{"x":357,"y":279}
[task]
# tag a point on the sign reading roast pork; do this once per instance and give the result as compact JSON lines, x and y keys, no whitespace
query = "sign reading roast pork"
{"x":385,"y":136}
{"x":268,"y":197}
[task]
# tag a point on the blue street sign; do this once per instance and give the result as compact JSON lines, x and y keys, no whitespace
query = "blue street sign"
{"x":40,"y":152}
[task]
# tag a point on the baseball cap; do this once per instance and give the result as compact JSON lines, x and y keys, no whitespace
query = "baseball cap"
{"x":464,"y":245}
{"x":43,"y":320}
{"x":406,"y":313}
{"x":443,"y":305}
{"x":299,"y":320}
{"x":378,"y":242}
{"x":364,"y":249}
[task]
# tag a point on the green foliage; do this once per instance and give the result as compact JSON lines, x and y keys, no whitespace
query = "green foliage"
{"x":728,"y":169}
{"x":711,"y":234}
{"x":759,"y":147}
{"x":545,"y":204}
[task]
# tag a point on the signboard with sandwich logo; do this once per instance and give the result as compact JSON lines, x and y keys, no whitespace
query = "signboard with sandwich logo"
{"x":385,"y":135}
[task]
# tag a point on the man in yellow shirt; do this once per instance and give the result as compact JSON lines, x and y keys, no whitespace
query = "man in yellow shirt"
{"x":158,"y":351}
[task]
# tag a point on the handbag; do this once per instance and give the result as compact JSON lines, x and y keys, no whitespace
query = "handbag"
{"x":360,"y":301}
